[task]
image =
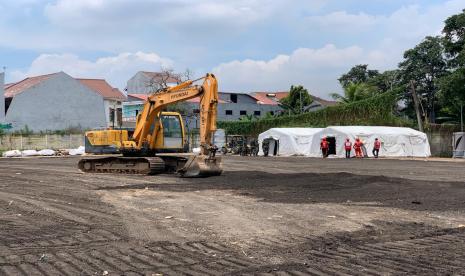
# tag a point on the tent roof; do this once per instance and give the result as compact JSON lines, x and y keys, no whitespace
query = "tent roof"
{"x":294,"y":131}
{"x":370,"y":130}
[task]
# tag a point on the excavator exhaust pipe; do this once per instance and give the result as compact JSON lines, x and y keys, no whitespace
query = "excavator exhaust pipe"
{"x":202,"y":166}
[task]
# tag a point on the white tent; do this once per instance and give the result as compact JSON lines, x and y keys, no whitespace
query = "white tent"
{"x":395,"y":141}
{"x":290,"y":141}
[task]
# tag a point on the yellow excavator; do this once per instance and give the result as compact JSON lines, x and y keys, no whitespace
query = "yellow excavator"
{"x":155,"y":133}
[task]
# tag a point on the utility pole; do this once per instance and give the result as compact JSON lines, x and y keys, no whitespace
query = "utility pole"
{"x":416,"y":103}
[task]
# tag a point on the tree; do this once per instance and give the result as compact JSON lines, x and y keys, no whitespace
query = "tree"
{"x":425,"y":64}
{"x":452,"y":93}
{"x":160,"y":81}
{"x":454,"y":39}
{"x":357,"y":74}
{"x":187,"y":75}
{"x":387,"y":81}
{"x":297,"y":100}
{"x":354,"y":92}
{"x":452,"y":86}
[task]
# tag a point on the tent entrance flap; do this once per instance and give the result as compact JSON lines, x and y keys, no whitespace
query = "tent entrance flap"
{"x":332,"y":145}
{"x":274,"y":146}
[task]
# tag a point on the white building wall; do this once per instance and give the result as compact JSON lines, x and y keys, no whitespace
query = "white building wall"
{"x":138,"y":84}
{"x":58,"y":103}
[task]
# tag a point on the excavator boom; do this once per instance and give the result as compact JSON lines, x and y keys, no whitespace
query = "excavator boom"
{"x":138,"y":153}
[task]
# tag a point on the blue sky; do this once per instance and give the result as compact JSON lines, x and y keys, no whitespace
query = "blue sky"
{"x":251,"y":45}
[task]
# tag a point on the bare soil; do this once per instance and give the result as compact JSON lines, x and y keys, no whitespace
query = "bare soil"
{"x":267,"y":216}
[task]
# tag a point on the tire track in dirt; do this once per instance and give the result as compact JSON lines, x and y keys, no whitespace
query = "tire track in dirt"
{"x":194,"y":258}
{"x":413,"y":256}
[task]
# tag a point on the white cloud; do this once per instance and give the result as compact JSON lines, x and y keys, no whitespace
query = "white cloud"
{"x":172,"y":14}
{"x":115,"y":69}
{"x":342,"y":21}
{"x":316,"y":69}
{"x":224,"y":34}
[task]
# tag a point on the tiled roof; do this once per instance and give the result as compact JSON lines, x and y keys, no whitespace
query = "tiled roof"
{"x":13,"y":89}
{"x":102,"y":87}
{"x":323,"y":101}
{"x":159,"y":75}
{"x":273,"y":98}
{"x":8,"y":85}
{"x":141,"y":97}
{"x":269,"y":98}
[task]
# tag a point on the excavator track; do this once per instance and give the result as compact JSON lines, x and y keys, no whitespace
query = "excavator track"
{"x":124,"y":165}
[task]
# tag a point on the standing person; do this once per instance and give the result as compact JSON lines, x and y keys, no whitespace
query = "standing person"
{"x":348,"y":147}
{"x":376,"y":148}
{"x":324,"y":146}
{"x":358,"y":148}
{"x":266,"y":147}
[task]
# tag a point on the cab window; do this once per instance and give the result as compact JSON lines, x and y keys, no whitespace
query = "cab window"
{"x":171,"y":126}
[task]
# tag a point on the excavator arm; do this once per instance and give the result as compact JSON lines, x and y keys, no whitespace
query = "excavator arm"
{"x":208,"y":93}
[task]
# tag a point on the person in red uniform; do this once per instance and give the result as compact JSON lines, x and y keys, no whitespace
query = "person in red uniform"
{"x":376,"y":148}
{"x":348,"y":147}
{"x":324,"y":146}
{"x":358,"y":148}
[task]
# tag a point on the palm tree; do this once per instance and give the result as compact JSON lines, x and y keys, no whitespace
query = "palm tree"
{"x":355,"y":92}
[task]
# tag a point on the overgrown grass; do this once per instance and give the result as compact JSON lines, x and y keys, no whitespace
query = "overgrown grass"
{"x":374,"y":111}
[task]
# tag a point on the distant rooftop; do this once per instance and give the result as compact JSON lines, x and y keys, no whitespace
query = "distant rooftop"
{"x":102,"y":87}
{"x":13,"y":89}
{"x":160,"y":75}
{"x":273,"y":98}
{"x":99,"y":86}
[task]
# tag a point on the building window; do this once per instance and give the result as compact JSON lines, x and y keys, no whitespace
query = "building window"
{"x":196,"y":111}
{"x":257,"y":113}
{"x":229,"y":112}
{"x":243,"y":112}
{"x":233,"y":98}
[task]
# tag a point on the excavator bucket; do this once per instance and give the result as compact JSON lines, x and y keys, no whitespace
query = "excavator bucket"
{"x":202,"y":166}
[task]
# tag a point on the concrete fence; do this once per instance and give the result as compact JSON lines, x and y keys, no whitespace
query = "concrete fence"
{"x":38,"y":142}
{"x":440,"y":139}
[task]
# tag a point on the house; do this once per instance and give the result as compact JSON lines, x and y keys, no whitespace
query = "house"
{"x":238,"y":105}
{"x":148,"y":82}
{"x":112,"y":100}
{"x":58,"y":101}
{"x":273,"y":98}
{"x":231,"y":106}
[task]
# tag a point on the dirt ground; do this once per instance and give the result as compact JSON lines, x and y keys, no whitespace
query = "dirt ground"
{"x":266,"y":216}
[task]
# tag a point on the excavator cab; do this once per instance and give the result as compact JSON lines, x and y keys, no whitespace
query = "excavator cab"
{"x":174,"y":133}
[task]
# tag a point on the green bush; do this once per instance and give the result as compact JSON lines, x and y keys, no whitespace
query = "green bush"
{"x":377,"y":110}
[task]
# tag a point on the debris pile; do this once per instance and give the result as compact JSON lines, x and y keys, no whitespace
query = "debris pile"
{"x":44,"y":152}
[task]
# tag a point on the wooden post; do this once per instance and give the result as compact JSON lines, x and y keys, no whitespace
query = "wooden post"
{"x":416,"y":103}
